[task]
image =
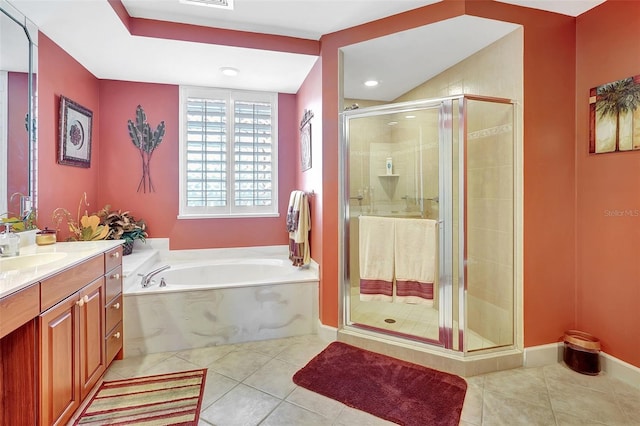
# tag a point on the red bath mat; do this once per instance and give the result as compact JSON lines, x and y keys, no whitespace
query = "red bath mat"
{"x":395,"y":390}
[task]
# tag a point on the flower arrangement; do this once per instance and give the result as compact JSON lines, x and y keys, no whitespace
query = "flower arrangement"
{"x":123,"y":226}
{"x":85,"y":228}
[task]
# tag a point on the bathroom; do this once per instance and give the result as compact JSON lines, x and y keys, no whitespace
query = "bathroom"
{"x":560,"y":192}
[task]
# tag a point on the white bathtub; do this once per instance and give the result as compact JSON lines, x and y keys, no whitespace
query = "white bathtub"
{"x":212,"y":301}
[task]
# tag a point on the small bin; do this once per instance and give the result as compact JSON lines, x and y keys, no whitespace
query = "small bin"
{"x":582,"y":352}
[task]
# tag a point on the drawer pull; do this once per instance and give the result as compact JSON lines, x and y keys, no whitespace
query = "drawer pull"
{"x":116,"y":254}
{"x":115,"y":276}
{"x":86,"y":298}
{"x":80,"y":302}
{"x":117,"y":335}
{"x":116,"y":305}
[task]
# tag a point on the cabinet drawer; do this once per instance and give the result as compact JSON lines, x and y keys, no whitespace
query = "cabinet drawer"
{"x":114,"y":283}
{"x":113,"y":342}
{"x":113,"y":258}
{"x":18,"y":308}
{"x":113,"y":313}
{"x":56,"y":288}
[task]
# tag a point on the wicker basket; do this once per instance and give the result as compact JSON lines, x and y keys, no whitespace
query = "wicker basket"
{"x":582,"y":352}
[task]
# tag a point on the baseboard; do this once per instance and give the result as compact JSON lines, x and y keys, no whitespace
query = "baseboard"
{"x":538,"y":356}
{"x":327,"y":333}
{"x":620,"y":370}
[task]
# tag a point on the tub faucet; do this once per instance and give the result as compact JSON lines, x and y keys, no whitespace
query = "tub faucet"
{"x":147,"y":278}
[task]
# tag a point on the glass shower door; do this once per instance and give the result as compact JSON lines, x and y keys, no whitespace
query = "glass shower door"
{"x":393,"y":171}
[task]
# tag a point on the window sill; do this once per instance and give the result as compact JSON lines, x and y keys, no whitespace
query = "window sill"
{"x":226,"y":216}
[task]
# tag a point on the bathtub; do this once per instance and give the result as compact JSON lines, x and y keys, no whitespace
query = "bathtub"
{"x":210,"y":301}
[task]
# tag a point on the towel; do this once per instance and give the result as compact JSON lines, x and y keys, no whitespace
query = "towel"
{"x":376,"y":258}
{"x":415,"y":260}
{"x":298,"y":226}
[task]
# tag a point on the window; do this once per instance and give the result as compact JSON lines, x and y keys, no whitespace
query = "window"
{"x":228,"y":153}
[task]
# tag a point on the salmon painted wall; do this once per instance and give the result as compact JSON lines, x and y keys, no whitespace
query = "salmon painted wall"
{"x":60,"y":185}
{"x":122,"y":168}
{"x":17,"y":140}
{"x":608,"y":223}
{"x":549,"y":134}
{"x":309,"y":97}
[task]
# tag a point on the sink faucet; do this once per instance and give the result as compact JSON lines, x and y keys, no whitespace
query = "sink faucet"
{"x":147,"y":278}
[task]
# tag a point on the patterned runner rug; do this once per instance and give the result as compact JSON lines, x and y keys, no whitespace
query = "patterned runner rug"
{"x":166,"y":399}
{"x":395,"y":390}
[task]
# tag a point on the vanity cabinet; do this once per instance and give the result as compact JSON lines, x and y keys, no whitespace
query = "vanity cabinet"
{"x":113,"y":307}
{"x":59,"y":333}
{"x":76,"y":335}
{"x":72,"y":356}
{"x":71,"y":352}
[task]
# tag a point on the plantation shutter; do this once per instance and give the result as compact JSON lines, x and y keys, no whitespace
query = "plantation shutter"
{"x":252,"y":150}
{"x":206,"y":152}
{"x":229,"y":155}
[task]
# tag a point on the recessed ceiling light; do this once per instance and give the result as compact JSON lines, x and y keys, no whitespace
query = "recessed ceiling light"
{"x":229,"y":71}
{"x":409,"y":116}
{"x":371,"y":83}
{"x":392,"y":123}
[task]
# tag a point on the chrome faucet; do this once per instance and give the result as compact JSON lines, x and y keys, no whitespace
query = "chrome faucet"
{"x":147,"y":278}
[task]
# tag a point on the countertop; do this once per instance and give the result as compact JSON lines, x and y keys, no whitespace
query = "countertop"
{"x":72,"y":253}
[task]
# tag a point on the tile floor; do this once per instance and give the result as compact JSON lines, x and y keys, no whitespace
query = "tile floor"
{"x":250,"y":384}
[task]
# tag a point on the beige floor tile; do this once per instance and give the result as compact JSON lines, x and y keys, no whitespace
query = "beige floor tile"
{"x":569,"y":420}
{"x":205,"y":356}
{"x":274,"y":378}
{"x":215,"y":386}
{"x":287,"y":414}
{"x":350,"y":417}
{"x":585,"y":403}
{"x":299,"y":354}
{"x":137,"y":366}
{"x":251,"y":384}
{"x":472,"y":408}
{"x":499,"y":409}
{"x":527,"y":385}
{"x":266,"y":347}
{"x":243,"y":405}
{"x":171,"y":365}
{"x":239,"y":365}
{"x":315,"y":402}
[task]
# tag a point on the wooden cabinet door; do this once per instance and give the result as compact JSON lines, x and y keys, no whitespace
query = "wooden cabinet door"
{"x":59,"y":361}
{"x":92,"y":329}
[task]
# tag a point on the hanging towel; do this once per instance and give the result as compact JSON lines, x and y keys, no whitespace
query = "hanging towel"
{"x":298,"y":226}
{"x":415,"y":260}
{"x":376,"y":258}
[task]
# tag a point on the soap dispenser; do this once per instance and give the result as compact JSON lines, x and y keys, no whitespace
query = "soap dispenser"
{"x":9,"y":242}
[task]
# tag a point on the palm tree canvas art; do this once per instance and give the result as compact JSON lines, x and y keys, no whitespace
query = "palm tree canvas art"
{"x":615,"y":116}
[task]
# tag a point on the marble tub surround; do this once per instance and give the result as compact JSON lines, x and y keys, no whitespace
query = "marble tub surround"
{"x":182,"y":317}
{"x":39,"y":262}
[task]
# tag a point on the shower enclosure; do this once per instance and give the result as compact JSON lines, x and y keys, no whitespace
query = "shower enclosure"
{"x":452,"y":160}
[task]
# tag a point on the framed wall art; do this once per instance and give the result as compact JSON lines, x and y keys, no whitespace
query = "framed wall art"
{"x":614,"y":116}
{"x":305,"y":140}
{"x":75,"y":134}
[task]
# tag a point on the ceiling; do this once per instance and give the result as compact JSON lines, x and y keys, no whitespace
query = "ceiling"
{"x":92,"y":33}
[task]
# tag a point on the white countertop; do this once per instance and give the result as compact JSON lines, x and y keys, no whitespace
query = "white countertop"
{"x":12,"y":280}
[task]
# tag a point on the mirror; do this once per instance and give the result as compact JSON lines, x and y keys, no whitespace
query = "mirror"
{"x":18,"y":56}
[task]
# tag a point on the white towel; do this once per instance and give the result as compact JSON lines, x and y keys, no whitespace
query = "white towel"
{"x":376,"y":258}
{"x":415,"y":260}
{"x":299,"y":225}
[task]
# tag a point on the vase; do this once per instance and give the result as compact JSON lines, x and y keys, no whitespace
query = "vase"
{"x":127,"y":248}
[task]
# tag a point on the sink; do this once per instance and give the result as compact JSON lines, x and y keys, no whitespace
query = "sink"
{"x":29,"y":260}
